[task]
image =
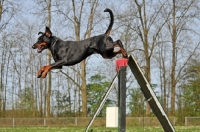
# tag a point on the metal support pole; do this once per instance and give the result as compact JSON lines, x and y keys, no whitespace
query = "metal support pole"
{"x":122,"y":99}
{"x":102,"y":103}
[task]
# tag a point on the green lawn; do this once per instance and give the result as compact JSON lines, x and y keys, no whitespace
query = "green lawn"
{"x":95,"y":129}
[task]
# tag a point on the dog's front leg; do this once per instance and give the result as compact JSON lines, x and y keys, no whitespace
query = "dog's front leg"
{"x":39,"y":74}
{"x":43,"y":71}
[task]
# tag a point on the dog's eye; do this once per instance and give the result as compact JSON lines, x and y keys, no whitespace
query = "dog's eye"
{"x":46,"y":39}
{"x":40,"y":41}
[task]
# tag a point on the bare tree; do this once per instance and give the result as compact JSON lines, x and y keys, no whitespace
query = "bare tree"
{"x":77,"y":18}
{"x":6,"y":15}
{"x":45,"y":6}
{"x":182,"y":13}
{"x":8,"y":9}
{"x":148,"y":21}
{"x":48,"y":3}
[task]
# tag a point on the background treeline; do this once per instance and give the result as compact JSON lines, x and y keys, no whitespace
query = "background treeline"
{"x":163,"y":35}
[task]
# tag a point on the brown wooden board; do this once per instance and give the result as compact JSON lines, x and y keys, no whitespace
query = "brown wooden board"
{"x":150,"y":95}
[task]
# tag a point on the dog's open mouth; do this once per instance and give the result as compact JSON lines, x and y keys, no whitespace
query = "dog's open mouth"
{"x":40,"y":49}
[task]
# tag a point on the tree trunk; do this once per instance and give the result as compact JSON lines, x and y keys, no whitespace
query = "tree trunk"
{"x":41,"y":100}
{"x":77,"y":24}
{"x":165,"y":91}
{"x":49,"y":62}
{"x":173,"y":81}
{"x":83,"y":89}
{"x":144,"y":37}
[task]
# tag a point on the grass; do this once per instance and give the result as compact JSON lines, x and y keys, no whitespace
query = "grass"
{"x":95,"y":129}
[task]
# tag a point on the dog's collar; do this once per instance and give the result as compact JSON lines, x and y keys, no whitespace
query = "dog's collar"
{"x":52,"y":46}
{"x":54,"y":42}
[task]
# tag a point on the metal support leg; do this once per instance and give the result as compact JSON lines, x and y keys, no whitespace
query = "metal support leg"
{"x":122,"y":99}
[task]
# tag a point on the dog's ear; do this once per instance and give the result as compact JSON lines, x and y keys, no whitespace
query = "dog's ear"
{"x":48,"y":32}
{"x":40,"y":33}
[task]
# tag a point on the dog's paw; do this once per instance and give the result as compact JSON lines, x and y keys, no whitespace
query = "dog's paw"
{"x":44,"y":74}
{"x":39,"y":74}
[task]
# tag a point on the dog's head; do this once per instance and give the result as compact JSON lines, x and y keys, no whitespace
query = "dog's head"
{"x":43,"y":41}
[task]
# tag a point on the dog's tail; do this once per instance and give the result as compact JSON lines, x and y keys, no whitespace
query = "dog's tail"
{"x":111,"y":21}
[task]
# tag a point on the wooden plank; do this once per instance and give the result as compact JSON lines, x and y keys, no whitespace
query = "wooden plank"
{"x":150,"y":95}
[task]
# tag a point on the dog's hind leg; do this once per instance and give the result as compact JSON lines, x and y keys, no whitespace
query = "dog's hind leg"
{"x":119,"y":48}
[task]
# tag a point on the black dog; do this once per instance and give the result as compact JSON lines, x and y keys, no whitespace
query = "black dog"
{"x":67,"y":53}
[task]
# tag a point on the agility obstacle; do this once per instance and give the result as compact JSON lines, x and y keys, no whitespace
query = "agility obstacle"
{"x":146,"y":90}
{"x":102,"y":103}
{"x":150,"y":96}
{"x":121,"y":66}
{"x":122,"y":100}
